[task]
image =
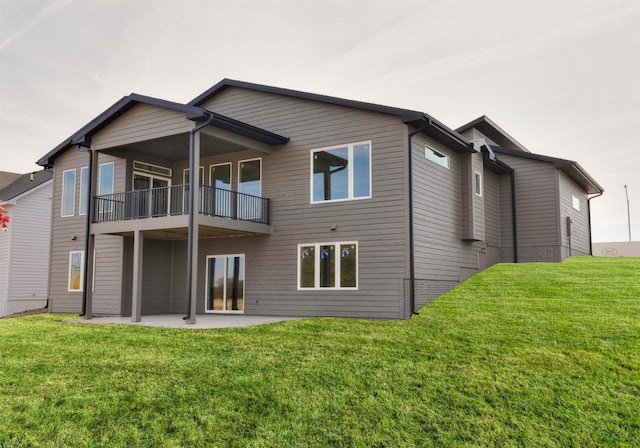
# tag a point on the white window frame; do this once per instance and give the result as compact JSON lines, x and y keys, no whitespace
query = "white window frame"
{"x":71,"y":254}
{"x":73,"y":199}
{"x":84,"y":193}
{"x":240,"y":162}
{"x":477,"y":183}
{"x":575,"y":202}
{"x":168,"y":172}
{"x":184,"y":176}
{"x":109,"y":206}
{"x":350,"y":183}
{"x":224,"y":294}
{"x":437,"y":157}
{"x":316,"y":266}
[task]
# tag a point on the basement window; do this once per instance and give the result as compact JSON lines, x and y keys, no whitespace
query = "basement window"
{"x":437,"y":157}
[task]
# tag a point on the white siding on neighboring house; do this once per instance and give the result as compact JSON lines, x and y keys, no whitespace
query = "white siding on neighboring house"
{"x":24,"y":252}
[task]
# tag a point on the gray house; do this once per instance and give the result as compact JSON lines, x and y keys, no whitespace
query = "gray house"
{"x":24,"y":247}
{"x":302,"y":205}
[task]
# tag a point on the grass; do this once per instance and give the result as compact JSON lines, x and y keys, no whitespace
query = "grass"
{"x":520,"y":355}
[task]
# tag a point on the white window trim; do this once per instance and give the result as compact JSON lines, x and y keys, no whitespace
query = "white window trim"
{"x":350,"y":147}
{"x":139,"y":170}
{"x":73,"y":201}
{"x":184,"y":176}
{"x":316,"y":266}
{"x":83,"y":194}
{"x":477,"y":176}
{"x":206,"y":289}
{"x":230,"y":173}
{"x":240,"y":162}
{"x":441,"y":155}
{"x":113,"y":177}
{"x":81,"y":252}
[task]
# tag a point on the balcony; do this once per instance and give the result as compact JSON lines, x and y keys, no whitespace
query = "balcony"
{"x":167,"y":208}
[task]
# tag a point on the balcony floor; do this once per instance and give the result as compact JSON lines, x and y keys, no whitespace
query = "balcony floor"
{"x":176,"y":227}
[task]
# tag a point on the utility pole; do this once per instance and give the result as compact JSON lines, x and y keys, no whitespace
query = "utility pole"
{"x":626,"y":191}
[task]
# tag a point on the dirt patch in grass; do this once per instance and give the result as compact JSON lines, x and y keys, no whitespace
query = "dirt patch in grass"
{"x":26,"y":313}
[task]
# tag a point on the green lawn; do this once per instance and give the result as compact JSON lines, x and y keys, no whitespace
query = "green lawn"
{"x":520,"y":355}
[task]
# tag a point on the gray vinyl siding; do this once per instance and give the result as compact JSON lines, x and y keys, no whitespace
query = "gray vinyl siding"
{"x":578,"y":243}
{"x":505,"y":215}
{"x":536,"y":209}
{"x":64,"y":229}
{"x":28,"y":265}
{"x":156,"y":277}
{"x":442,"y":257}
{"x":141,"y":122}
{"x":377,"y":224}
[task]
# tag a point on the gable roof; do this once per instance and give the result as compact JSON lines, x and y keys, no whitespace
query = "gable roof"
{"x":7,"y":177}
{"x":494,"y":132}
{"x":83,"y":136}
{"x":418,"y":119}
{"x":24,"y":183}
{"x":572,"y":168}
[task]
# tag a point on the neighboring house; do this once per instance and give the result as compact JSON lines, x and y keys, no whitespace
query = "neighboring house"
{"x":617,"y":249}
{"x":303,"y":205}
{"x":7,"y":177}
{"x":24,"y":247}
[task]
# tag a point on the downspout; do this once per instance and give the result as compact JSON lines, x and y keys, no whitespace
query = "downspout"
{"x":514,"y":225}
{"x":412,"y":267}
{"x":193,"y":178}
{"x":87,"y":229}
{"x":589,"y":219}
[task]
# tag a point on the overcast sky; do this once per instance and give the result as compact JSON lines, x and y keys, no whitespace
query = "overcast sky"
{"x":562,"y":77}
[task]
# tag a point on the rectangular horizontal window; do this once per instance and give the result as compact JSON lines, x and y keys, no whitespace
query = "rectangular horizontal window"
{"x":341,"y":173}
{"x":328,"y":266}
{"x":437,"y":157}
{"x":76,"y":270}
{"x":68,"y":192}
{"x":151,"y":169}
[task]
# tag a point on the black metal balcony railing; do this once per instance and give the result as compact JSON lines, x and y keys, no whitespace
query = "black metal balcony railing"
{"x":173,"y":200}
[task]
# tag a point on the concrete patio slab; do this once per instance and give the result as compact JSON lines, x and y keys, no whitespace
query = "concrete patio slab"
{"x":203,"y":321}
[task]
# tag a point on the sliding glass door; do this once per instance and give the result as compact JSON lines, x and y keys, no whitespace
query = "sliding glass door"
{"x":225,"y":284}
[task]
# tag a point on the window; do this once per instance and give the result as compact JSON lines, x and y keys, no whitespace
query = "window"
{"x":84,"y":190}
{"x":68,"y":192}
{"x":225,"y":283}
{"x":220,"y":176}
{"x":575,"y":202}
{"x":437,"y":157}
{"x":477,"y":183}
{"x":341,"y":173}
{"x":151,"y":169}
{"x":76,"y":270}
{"x":105,"y":185}
{"x":328,"y":266}
{"x":185,"y":176}
{"x":250,"y":187}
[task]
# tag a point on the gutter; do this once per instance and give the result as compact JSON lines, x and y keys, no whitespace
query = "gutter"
{"x":192,"y":213}
{"x":87,"y":229}
{"x":412,"y":267}
{"x":589,"y":219}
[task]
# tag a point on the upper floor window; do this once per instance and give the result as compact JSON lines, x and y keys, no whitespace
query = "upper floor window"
{"x":575,"y":202}
{"x":341,"y":173}
{"x":437,"y":157}
{"x":105,"y":186}
{"x":477,"y":183}
{"x":185,"y":176}
{"x":84,"y":190}
{"x":68,"y":192}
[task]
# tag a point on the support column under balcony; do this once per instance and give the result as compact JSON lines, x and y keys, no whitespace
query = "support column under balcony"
{"x":136,"y":299}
